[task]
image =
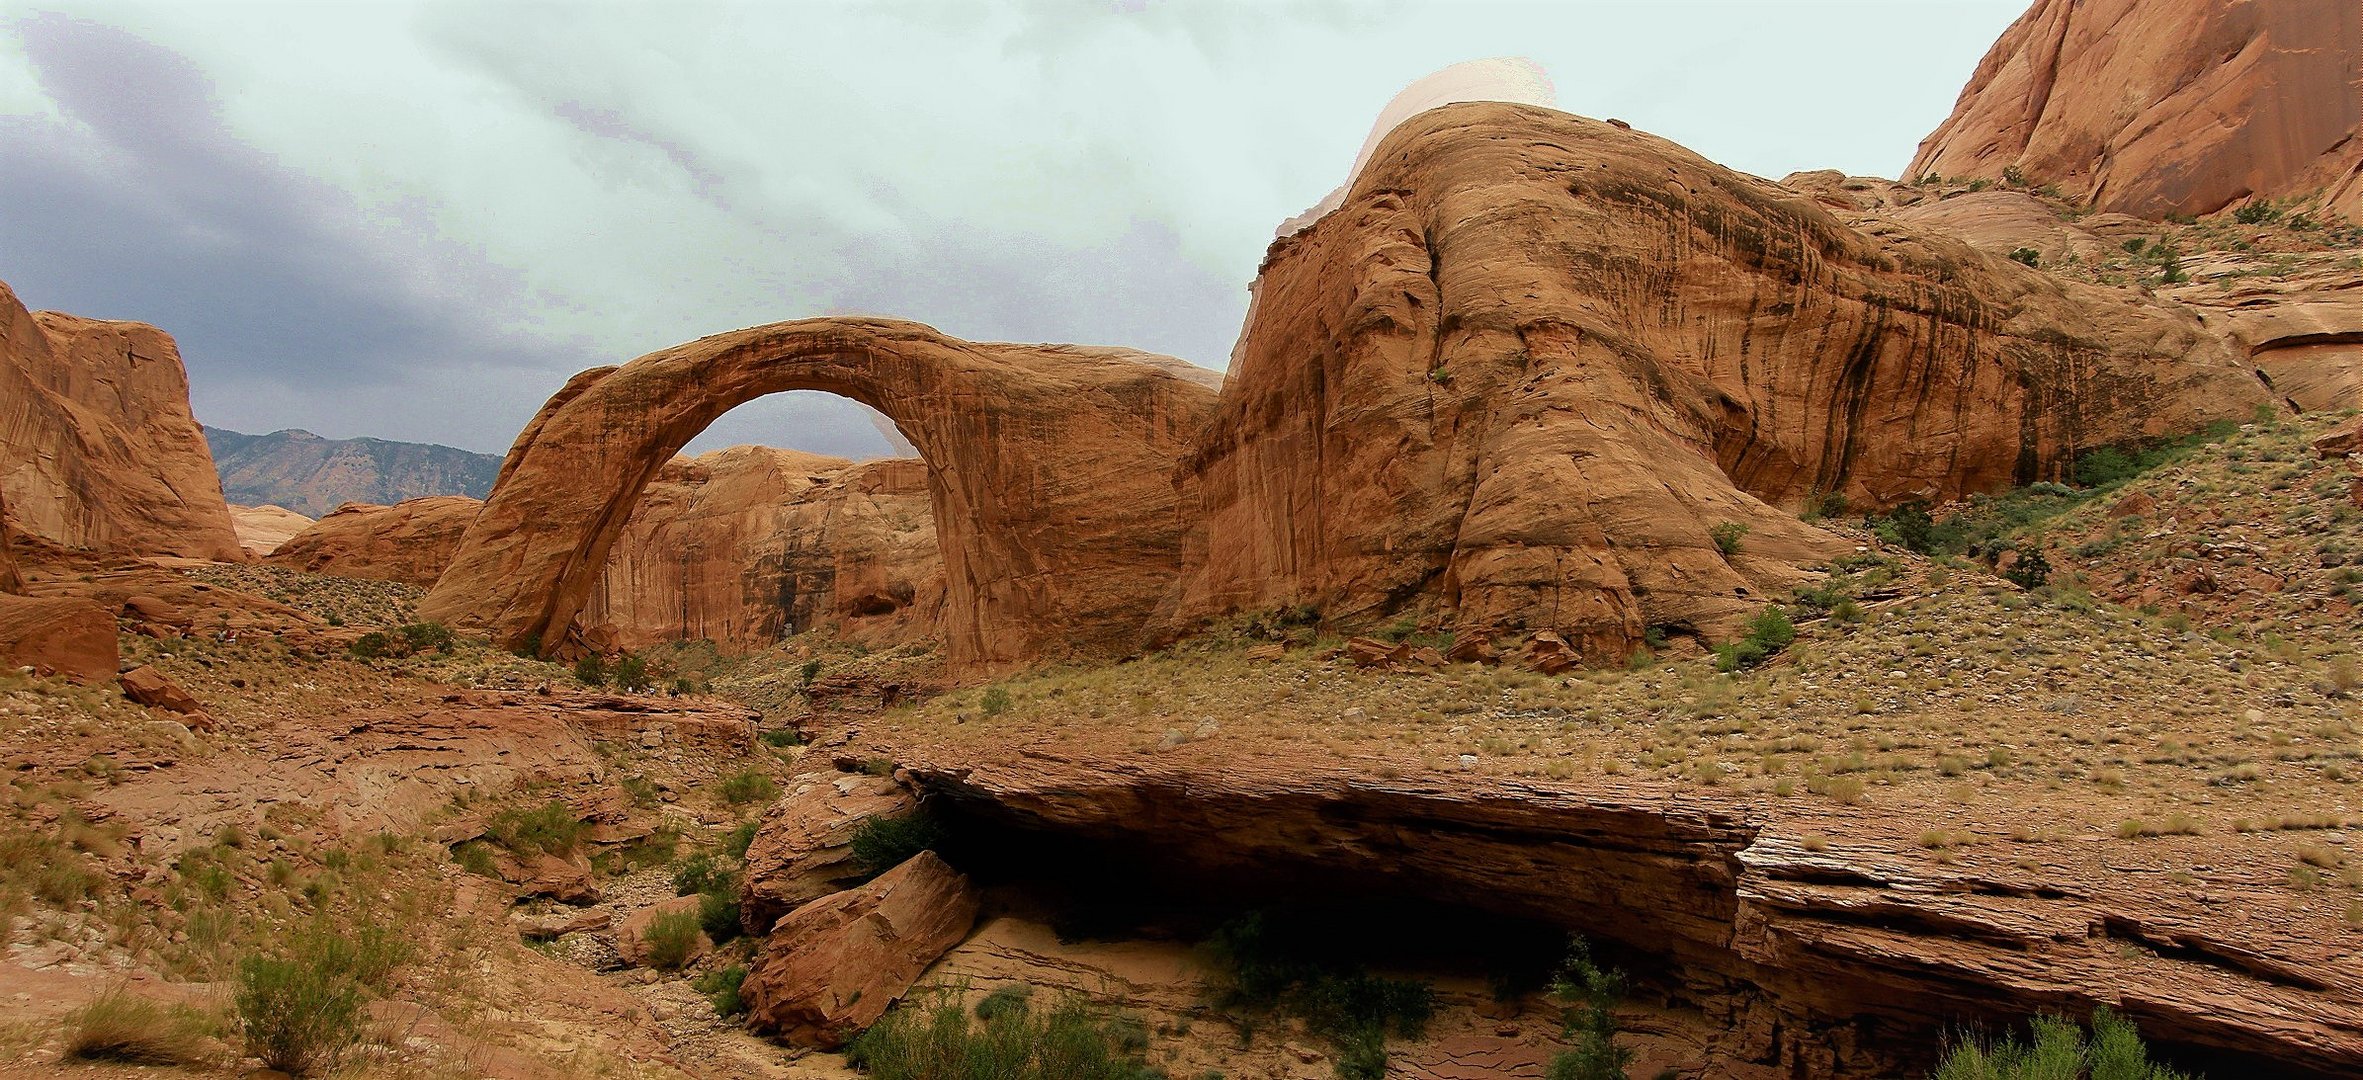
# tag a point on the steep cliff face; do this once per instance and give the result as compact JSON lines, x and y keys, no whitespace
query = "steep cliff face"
{"x":312,"y":475}
{"x":11,"y":579}
{"x":409,"y":542}
{"x":745,"y":546}
{"x":1535,"y":363}
{"x":2153,"y":107}
{"x":97,"y":446}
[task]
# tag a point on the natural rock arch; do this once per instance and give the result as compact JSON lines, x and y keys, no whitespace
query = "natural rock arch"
{"x":1050,"y":469}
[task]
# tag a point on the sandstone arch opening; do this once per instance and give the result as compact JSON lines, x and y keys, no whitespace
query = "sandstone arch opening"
{"x":738,"y":543}
{"x":1049,"y":472}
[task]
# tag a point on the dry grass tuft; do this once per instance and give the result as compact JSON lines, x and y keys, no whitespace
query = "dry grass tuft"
{"x":121,"y":1026}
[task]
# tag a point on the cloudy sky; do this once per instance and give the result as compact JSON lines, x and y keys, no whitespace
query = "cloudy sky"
{"x":414,"y":219}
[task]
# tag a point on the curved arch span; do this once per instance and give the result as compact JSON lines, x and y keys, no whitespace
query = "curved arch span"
{"x":1050,"y":468}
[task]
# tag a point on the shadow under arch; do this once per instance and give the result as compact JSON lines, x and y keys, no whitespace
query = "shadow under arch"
{"x":1050,"y":471}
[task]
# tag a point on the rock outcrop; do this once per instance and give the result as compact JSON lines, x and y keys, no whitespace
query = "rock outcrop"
{"x":745,"y":546}
{"x":261,"y":529}
{"x":2302,"y":330}
{"x":148,"y":686}
{"x":803,"y":846}
{"x":2153,"y":107}
{"x":98,"y":449}
{"x":1825,"y":946}
{"x":67,"y":637}
{"x":833,"y":966}
{"x":1535,"y":363}
{"x":12,"y":580}
{"x":313,"y":475}
{"x":1050,"y":478}
{"x":410,"y":542}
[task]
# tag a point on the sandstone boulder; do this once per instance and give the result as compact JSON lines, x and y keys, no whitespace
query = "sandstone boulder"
{"x":1544,"y":373}
{"x":70,"y":638}
{"x":2338,"y":442}
{"x":631,"y":935}
{"x":803,"y":847}
{"x":1050,"y":478}
{"x":833,"y":966}
{"x":747,"y":545}
{"x":261,"y":529}
{"x":2153,"y":107}
{"x":409,"y":542}
{"x":98,"y":449}
{"x":155,"y":689}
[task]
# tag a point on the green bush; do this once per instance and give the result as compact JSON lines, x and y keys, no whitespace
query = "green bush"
{"x":996,"y":701}
{"x":748,"y":786}
{"x":1588,"y":995}
{"x":718,"y":913}
{"x":916,"y":1041}
{"x":550,"y":828}
{"x":299,"y":1012}
{"x":372,"y":645}
{"x":807,"y":673}
{"x":700,"y":874}
{"x":883,"y":843}
{"x":1006,"y":998}
{"x":1727,"y":536}
{"x":1769,"y":632}
{"x":420,"y":636}
{"x":2256,"y":212}
{"x":670,"y":939}
{"x":2030,"y":570}
{"x":1259,"y":973}
{"x":2058,"y":1051}
{"x":591,"y":670}
{"x":782,"y":737}
{"x":736,"y":842}
{"x":721,"y":987}
{"x":2026,"y":255}
{"x":631,"y":674}
{"x":475,"y":857}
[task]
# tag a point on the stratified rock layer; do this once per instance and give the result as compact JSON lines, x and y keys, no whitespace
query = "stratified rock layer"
{"x":1535,"y":362}
{"x":12,"y":580}
{"x":97,"y":446}
{"x":67,"y":637}
{"x":2153,"y":107}
{"x":410,"y":542}
{"x":1834,"y":952}
{"x":745,"y":546}
{"x":1050,"y":477}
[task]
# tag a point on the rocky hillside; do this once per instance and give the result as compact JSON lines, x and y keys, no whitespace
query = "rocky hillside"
{"x":312,"y":476}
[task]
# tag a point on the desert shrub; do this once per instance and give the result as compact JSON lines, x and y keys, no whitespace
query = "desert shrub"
{"x":718,"y":913}
{"x":995,"y":701}
{"x":883,"y":843}
{"x":1768,"y":633}
{"x":1260,"y":972}
{"x":1727,"y":536}
{"x":550,"y":828}
{"x":372,"y":645}
{"x":475,"y":857}
{"x":670,"y":938}
{"x":2030,"y":570}
{"x":939,"y":1041}
{"x":721,"y":987}
{"x":2026,"y":255}
{"x":2013,"y":177}
{"x":699,"y":874}
{"x":2256,"y":212}
{"x":118,"y":1025}
{"x":300,"y":1011}
{"x":591,"y":670}
{"x":748,"y":786}
{"x":782,"y":737}
{"x":1588,"y":995}
{"x":631,"y":674}
{"x":422,"y":636}
{"x":736,"y":842}
{"x":2058,"y":1051}
{"x":807,"y":673}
